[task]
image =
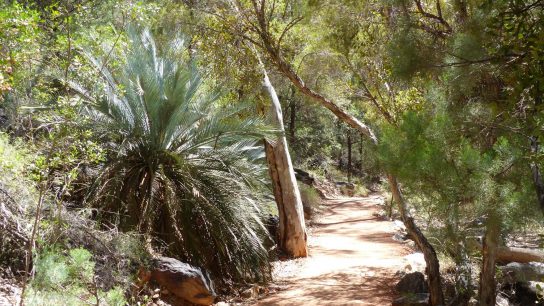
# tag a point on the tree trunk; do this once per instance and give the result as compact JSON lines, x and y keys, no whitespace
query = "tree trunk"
{"x":292,"y":230}
{"x":292,"y":117}
{"x":489,"y":253}
{"x":361,"y":154}
{"x":521,"y":255}
{"x":268,"y":43}
{"x":431,"y":260}
{"x":537,"y":176}
{"x":349,"y":156}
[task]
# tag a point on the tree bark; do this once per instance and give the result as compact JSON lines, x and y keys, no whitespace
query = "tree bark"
{"x":292,"y":119}
{"x":489,"y":253}
{"x":361,"y":154}
{"x":349,"y":156}
{"x":431,"y":260}
{"x":535,"y":169}
{"x":292,"y":230}
{"x":507,"y":255}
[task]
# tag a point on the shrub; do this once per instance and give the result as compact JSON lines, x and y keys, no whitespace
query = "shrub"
{"x":68,"y":280}
{"x":17,"y":198}
{"x":182,"y":166}
{"x":310,"y":200}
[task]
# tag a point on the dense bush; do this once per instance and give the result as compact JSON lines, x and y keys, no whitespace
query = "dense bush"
{"x":69,"y":279}
{"x":181,"y":166}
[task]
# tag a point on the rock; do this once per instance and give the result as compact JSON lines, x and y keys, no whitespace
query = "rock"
{"x":304,"y":177}
{"x":412,"y":283}
{"x":501,"y":301}
{"x":419,"y":299}
{"x":399,"y":225}
{"x":346,"y":188}
{"x":523,"y":272}
{"x":415,"y":262}
{"x":180,"y":279}
{"x":400,"y":237}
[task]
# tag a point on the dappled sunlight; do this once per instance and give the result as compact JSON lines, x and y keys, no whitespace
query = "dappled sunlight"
{"x":353,"y":259}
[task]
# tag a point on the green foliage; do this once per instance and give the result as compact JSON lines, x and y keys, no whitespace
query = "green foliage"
{"x":405,"y":56}
{"x":181,"y":167}
{"x":360,"y":190}
{"x":18,"y":38}
{"x":68,"y":280}
{"x":453,"y":179}
{"x":310,"y":200}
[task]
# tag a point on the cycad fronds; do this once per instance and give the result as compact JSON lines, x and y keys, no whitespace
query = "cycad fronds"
{"x":183,"y":165}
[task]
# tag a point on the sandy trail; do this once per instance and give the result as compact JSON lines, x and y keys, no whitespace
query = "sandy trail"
{"x":353,"y":259}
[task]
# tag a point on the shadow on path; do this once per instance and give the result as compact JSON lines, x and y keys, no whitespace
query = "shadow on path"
{"x":353,"y":259}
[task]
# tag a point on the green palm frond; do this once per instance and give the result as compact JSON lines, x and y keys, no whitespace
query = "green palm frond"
{"x":184,"y":165}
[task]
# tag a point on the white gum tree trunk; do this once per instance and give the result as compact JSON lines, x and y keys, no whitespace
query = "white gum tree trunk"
{"x":292,"y":230}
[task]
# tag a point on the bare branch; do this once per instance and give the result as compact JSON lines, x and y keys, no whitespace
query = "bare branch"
{"x":290,"y":25}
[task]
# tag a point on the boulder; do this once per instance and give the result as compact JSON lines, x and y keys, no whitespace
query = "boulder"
{"x":180,"y":279}
{"x":528,"y":293}
{"x":304,"y":177}
{"x":412,"y":283}
{"x":414,"y":262}
{"x":502,"y":301}
{"x":523,"y":272}
{"x":419,"y":299}
{"x":346,"y":188}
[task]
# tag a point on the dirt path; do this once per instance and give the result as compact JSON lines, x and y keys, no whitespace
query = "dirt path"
{"x":352,"y":261}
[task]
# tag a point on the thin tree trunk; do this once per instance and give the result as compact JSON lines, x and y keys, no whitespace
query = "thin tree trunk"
{"x":489,"y":253}
{"x":537,"y":177}
{"x":292,"y":119}
{"x":292,"y":235}
{"x":361,"y":154}
{"x":433,"y":266}
{"x":349,"y":156}
{"x":535,"y":169}
{"x":292,"y":230}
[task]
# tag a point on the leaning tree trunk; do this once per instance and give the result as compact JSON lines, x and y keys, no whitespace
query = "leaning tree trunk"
{"x":489,"y":253}
{"x":435,"y":286}
{"x":292,"y":231}
{"x":272,"y":49}
{"x":431,"y":260}
{"x":535,"y":169}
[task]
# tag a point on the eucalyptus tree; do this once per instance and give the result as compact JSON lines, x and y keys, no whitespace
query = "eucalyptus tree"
{"x":257,"y":22}
{"x":182,"y":163}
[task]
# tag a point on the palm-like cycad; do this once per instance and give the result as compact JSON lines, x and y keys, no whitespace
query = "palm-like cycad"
{"x":183,"y":166}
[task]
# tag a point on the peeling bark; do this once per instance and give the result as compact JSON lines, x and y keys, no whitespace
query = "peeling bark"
{"x":292,"y":230}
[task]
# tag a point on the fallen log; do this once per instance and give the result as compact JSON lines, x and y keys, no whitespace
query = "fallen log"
{"x":506,"y":255}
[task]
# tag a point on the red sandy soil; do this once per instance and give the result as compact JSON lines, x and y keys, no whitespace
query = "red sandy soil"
{"x":353,"y":259}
